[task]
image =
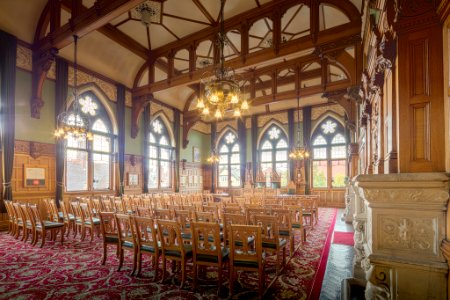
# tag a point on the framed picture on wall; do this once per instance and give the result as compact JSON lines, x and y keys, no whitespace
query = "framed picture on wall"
{"x":195,"y":154}
{"x":34,"y":176}
{"x":133,"y":179}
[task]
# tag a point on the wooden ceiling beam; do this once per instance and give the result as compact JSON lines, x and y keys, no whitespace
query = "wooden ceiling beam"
{"x":87,"y":21}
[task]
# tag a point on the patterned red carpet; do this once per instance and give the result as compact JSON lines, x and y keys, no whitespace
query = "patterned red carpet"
{"x":73,"y":271}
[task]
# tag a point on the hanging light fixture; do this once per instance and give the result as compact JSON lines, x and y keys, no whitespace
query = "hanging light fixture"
{"x":213,"y":158}
{"x":148,"y":12}
{"x":222,"y":93}
{"x":300,"y":152}
{"x":72,"y":122}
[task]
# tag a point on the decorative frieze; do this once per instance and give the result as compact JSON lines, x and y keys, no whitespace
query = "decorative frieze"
{"x":280,"y":117}
{"x":319,"y":111}
{"x":202,"y":127}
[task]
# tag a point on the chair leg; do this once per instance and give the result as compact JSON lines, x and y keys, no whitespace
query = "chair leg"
{"x":195,"y":276}
{"x":155,"y":266}
{"x":183,"y":273}
{"x":105,"y":251}
{"x":139,"y":264}
{"x":134,"y":262}
{"x":163,"y":270}
{"x":231,"y":275}
{"x":261,"y":283}
{"x":62,"y":234}
{"x":120,"y":259}
{"x":44,"y":236}
{"x":219,"y":275}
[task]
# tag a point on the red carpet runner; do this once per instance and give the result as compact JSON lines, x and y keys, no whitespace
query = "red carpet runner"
{"x":73,"y":271}
{"x":318,"y":279}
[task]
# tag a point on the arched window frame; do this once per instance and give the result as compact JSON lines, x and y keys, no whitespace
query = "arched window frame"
{"x":275,"y":158}
{"x":329,"y":157}
{"x":159,"y":155}
{"x":93,"y":155}
{"x":229,"y":164}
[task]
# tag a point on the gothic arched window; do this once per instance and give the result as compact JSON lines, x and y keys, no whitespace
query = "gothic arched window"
{"x":329,"y":154}
{"x":89,"y":163}
{"x":273,"y":149}
{"x":159,"y":155}
{"x":229,"y":165}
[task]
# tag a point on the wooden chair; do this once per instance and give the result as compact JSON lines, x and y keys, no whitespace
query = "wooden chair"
{"x":11,"y":216}
{"x":107,"y":205}
{"x":232,"y":210}
{"x":127,"y":240}
{"x":110,"y":234}
{"x":183,"y":217}
{"x":271,"y":240}
{"x":143,"y":211}
{"x":297,"y":220}
{"x":28,"y":225}
{"x":146,"y":243}
{"x":308,"y":212}
{"x":88,"y":221}
{"x":172,"y":246}
{"x":162,"y":213}
{"x":204,"y":216}
{"x":41,"y":226}
{"x":245,"y":256}
{"x":285,"y":226}
{"x":251,"y":211}
{"x":208,"y":250}
{"x":68,"y":219}
{"x":19,"y":220}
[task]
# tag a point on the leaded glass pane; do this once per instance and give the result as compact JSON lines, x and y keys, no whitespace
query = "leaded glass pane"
{"x":319,"y":172}
{"x":329,"y":127}
{"x":230,"y":138}
{"x":338,"y":173}
{"x":282,"y":144}
{"x":281,"y":155}
{"x":157,"y":126}
{"x":152,"y":138}
{"x":235,"y":148}
{"x":223,"y":159}
{"x":100,"y":126}
{"x":338,"y":152}
{"x":282,"y":170}
{"x":152,"y":173}
{"x":165,"y":174}
{"x":164,"y":141}
{"x":76,"y":170}
{"x":165,"y":153}
{"x":266,"y":145}
{"x":79,"y":143}
{"x":101,"y":143}
{"x":152,"y":152}
{"x":88,"y":106}
{"x":235,"y":158}
{"x":320,"y":153}
{"x":224,"y":149}
{"x":101,"y":171}
{"x":266,"y":156}
{"x":223,"y":175}
{"x":235,"y":176}
{"x":338,"y":139}
{"x":319,"y":140}
{"x":274,"y":133}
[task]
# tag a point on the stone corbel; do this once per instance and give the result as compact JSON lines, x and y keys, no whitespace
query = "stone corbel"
{"x":136,"y":110}
{"x":35,"y":150}
{"x":42,"y":62}
{"x":378,"y":283}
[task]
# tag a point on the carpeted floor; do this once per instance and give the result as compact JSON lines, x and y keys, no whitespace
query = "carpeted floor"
{"x":73,"y":271}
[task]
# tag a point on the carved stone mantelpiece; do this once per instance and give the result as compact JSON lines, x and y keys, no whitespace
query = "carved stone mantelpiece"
{"x":398,"y":243}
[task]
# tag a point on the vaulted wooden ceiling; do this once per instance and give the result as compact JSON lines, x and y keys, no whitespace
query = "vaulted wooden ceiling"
{"x":280,"y":48}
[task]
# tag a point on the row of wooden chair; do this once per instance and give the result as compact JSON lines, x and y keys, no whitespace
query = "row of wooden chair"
{"x":241,"y":248}
{"x":27,"y":218}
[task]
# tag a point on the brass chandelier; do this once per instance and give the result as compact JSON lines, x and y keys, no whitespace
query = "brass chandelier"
{"x":72,"y":122}
{"x":222,"y":93}
{"x":300,"y":152}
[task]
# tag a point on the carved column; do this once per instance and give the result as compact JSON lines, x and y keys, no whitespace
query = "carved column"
{"x":404,"y":229}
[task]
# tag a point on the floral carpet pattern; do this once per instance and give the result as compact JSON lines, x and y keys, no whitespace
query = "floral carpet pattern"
{"x":73,"y":271}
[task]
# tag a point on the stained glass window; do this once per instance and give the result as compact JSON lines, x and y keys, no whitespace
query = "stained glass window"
{"x":229,"y":174}
{"x":159,"y":155}
{"x":273,"y":154}
{"x":329,"y":155}
{"x":89,"y":163}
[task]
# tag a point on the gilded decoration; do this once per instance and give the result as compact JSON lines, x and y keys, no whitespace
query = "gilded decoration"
{"x":317,"y":112}
{"x":156,"y":108}
{"x":24,"y":58}
{"x":202,"y":127}
{"x":84,"y":78}
{"x":230,"y":123}
{"x":264,"y":119}
{"x":128,"y":101}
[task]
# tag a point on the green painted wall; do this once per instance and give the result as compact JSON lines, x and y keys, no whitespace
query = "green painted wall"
{"x":199,"y":140}
{"x":133,"y":146}
{"x":27,"y":128}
